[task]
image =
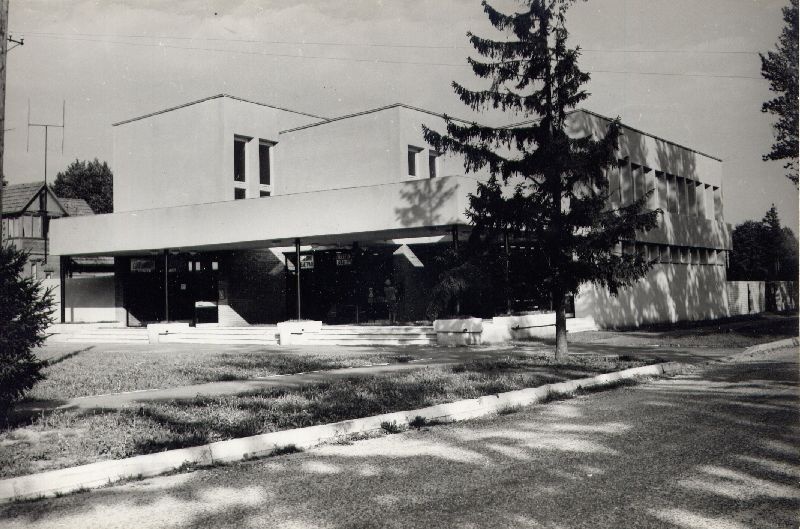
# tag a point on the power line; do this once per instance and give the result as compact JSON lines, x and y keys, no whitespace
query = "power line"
{"x":256,"y":52}
{"x":677,"y":74}
{"x":253,"y":41}
{"x":372,"y":45}
{"x":374,"y":61}
{"x":690,"y":52}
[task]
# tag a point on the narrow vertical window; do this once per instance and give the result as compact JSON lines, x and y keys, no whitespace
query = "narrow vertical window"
{"x":239,"y":159}
{"x":265,"y":162}
{"x":626,"y":183}
{"x":661,"y":186}
{"x":433,"y":164}
{"x":240,"y":153}
{"x":413,"y":153}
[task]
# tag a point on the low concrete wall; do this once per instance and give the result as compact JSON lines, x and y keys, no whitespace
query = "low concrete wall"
{"x":746,"y":297}
{"x":503,"y":329}
{"x":459,"y":331}
{"x":668,"y":293}
{"x":782,"y":295}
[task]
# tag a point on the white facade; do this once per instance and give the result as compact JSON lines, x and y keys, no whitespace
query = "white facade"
{"x":371,"y":176}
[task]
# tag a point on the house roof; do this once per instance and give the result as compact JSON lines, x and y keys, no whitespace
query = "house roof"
{"x":75,"y":206}
{"x":17,"y":197}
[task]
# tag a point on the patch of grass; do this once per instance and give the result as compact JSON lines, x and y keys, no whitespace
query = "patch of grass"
{"x":98,"y":371}
{"x":735,"y":332}
{"x":71,"y":437}
{"x":509,"y":410}
{"x":285,"y":450}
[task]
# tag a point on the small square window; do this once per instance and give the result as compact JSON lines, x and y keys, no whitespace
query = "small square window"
{"x":214,"y":265}
{"x":239,"y":193}
{"x":263,"y":193}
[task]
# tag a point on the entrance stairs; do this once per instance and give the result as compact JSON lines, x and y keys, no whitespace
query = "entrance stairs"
{"x":253,"y":335}
{"x":256,"y":335}
{"x":97,"y":333}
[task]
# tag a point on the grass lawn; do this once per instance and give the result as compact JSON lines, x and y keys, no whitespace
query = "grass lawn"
{"x":741,"y":331}
{"x":67,"y":438}
{"x":102,"y":370}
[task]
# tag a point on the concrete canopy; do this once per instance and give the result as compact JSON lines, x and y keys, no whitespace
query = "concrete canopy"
{"x":406,"y":209}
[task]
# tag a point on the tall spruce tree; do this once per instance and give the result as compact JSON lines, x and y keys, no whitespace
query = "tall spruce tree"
{"x":779,"y":67}
{"x":545,"y":188}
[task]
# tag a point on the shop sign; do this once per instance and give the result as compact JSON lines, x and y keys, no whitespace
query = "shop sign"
{"x":143,"y":266}
{"x":307,"y":262}
{"x":343,"y":259}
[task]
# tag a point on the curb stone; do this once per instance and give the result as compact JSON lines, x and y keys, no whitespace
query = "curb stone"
{"x":102,"y":473}
{"x":765,"y":347}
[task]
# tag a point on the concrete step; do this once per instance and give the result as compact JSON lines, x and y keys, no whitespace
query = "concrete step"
{"x":216,"y":340}
{"x":103,"y":339}
{"x":375,"y":334}
{"x":383,"y":341}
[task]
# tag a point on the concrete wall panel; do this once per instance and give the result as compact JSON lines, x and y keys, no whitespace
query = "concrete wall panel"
{"x":668,"y":293}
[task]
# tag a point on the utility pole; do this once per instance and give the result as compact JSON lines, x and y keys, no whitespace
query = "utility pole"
{"x":3,"y":52}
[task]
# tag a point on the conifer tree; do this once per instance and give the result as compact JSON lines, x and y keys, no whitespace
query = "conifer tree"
{"x":779,"y":67}
{"x":545,"y":188}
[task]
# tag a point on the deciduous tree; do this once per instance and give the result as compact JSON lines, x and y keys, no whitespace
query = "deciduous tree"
{"x":92,"y":181}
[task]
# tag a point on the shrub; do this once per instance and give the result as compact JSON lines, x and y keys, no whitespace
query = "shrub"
{"x":24,"y":315}
{"x":391,"y":427}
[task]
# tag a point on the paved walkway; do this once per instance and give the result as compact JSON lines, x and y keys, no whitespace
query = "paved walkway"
{"x":714,"y":450}
{"x":427,"y":356}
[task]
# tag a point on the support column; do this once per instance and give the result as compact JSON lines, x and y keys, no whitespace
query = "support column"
{"x":454,"y":235}
{"x":62,"y":270}
{"x":297,"y":274}
{"x":508,"y":272}
{"x":166,"y":285}
{"x":355,"y":259}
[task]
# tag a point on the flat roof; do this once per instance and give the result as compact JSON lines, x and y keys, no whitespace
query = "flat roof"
{"x":601,"y":116}
{"x":387,"y":107}
{"x":151,"y":114}
{"x":324,"y":120}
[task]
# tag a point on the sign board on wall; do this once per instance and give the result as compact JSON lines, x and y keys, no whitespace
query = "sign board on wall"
{"x":343,"y":259}
{"x":143,"y":265}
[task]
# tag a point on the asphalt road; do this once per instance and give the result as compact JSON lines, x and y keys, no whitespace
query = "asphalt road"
{"x":716,"y":449}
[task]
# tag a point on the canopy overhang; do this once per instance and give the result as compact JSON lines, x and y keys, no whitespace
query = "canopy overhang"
{"x":417,"y":208}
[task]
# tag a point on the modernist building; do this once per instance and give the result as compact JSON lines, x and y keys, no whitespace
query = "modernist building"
{"x":234,"y":211}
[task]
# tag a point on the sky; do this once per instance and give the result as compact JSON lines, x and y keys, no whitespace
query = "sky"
{"x":685,"y":70}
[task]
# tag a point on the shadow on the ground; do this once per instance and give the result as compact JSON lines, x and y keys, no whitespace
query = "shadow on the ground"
{"x":716,"y":451}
